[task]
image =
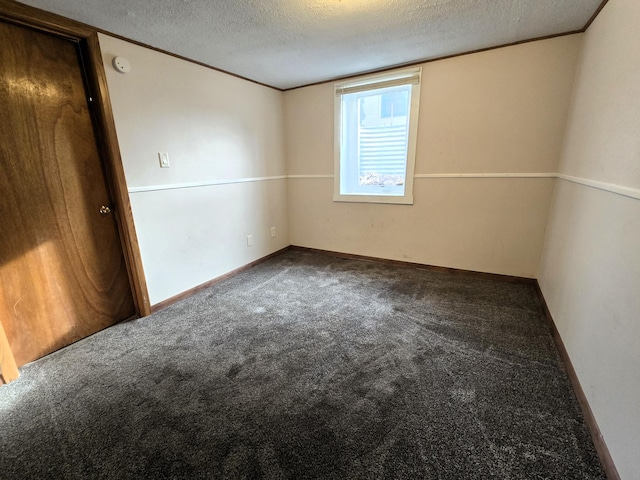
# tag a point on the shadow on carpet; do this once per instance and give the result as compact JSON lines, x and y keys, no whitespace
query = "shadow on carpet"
{"x":308,"y":367}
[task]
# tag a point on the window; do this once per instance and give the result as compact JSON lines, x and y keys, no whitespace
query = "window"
{"x":375,"y":137}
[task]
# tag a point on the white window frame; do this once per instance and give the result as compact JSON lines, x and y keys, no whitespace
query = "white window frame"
{"x":396,"y":77}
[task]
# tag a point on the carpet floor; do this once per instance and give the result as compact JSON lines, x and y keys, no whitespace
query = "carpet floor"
{"x":308,"y":367}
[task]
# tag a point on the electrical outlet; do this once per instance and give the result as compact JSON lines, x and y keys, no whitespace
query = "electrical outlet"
{"x":249,"y":240}
{"x":273,"y":232}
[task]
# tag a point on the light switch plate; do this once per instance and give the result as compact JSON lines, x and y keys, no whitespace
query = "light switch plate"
{"x":164,"y":159}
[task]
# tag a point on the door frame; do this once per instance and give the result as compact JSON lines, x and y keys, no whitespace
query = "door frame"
{"x":104,"y":130}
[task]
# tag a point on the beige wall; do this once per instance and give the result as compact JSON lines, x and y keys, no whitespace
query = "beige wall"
{"x":590,"y":269}
{"x":496,"y":112}
{"x":225,"y":142}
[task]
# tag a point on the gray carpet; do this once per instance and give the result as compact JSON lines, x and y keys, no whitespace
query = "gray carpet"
{"x":304,"y":367}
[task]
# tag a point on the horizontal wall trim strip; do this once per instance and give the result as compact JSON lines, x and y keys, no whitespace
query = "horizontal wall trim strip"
{"x":310,"y":176}
{"x":457,"y":175}
{"x":155,"y":188}
{"x":608,"y":187}
{"x":484,"y":175}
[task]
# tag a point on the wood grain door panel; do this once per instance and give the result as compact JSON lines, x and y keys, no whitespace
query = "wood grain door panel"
{"x":62,"y":268}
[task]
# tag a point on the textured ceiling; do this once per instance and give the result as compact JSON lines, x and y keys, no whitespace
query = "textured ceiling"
{"x":288,"y":43}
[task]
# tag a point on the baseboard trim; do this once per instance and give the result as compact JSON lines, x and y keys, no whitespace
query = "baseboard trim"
{"x":456,"y":271}
{"x":596,"y":435}
{"x":422,"y":266}
{"x":192,"y":291}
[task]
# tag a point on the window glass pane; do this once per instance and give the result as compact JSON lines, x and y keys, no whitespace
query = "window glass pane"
{"x":375,"y":139}
{"x":395,"y":104}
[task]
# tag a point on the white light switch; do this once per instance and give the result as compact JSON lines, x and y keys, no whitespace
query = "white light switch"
{"x":249,"y":240}
{"x":164,"y":159}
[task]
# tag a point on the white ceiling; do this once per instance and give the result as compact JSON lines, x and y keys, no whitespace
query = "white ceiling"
{"x":289,"y":43}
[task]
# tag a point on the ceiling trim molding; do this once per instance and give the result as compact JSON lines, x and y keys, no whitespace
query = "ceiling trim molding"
{"x":186,"y":59}
{"x":437,"y":59}
{"x":595,"y":15}
{"x":70,"y":27}
{"x":61,"y":20}
{"x":537,"y":39}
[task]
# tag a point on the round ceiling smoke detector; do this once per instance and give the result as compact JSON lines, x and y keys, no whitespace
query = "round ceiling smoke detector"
{"x":121,"y":65}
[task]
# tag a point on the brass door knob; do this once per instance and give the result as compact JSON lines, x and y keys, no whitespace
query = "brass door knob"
{"x":104,"y":210}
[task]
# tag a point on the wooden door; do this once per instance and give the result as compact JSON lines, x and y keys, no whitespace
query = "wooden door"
{"x":62,"y":270}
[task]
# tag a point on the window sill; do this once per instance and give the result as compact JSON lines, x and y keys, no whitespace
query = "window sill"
{"x":360,"y":198}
